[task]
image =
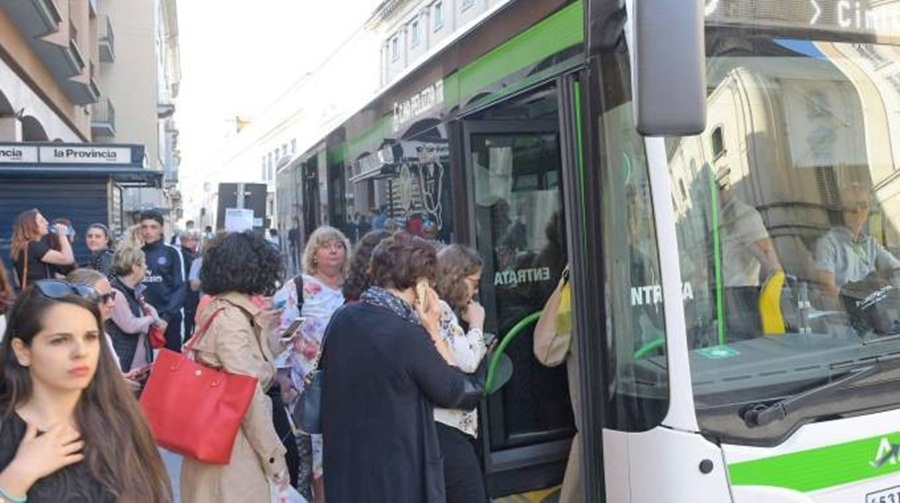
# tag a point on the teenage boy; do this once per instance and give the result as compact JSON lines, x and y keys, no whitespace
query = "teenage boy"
{"x":164,"y":284}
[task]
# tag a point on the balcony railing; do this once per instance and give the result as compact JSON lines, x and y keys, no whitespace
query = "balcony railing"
{"x":103,"y":118}
{"x":107,"y":42}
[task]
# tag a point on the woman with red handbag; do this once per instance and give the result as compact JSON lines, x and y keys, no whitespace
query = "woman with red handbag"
{"x":58,"y":377}
{"x":234,"y":337}
{"x":130,"y":323}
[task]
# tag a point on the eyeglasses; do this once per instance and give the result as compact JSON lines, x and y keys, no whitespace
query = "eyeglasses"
{"x":107,"y":297}
{"x":333,"y":245}
{"x":57,"y":289}
{"x":856,"y":206}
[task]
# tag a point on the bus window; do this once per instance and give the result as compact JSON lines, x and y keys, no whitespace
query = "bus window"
{"x":520,"y":235}
{"x":789,"y":234}
{"x":639,"y":399}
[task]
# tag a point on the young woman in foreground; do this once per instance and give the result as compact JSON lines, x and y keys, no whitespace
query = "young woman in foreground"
{"x":59,"y":379}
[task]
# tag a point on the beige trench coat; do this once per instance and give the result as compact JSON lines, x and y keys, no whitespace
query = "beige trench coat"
{"x":240,"y":347}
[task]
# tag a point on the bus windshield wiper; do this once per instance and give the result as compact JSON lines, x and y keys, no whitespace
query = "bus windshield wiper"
{"x":761,"y":414}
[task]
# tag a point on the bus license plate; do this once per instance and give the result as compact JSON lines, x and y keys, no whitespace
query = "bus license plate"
{"x":891,"y":495}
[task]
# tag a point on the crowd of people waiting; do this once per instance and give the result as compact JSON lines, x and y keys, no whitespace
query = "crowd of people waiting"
{"x":404,"y":363}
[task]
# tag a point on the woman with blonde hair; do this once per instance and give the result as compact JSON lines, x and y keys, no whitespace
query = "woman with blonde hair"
{"x":132,"y":238}
{"x":315,"y":294}
{"x":33,"y":258}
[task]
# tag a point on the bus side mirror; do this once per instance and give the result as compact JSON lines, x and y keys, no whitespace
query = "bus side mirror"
{"x":669,"y":74}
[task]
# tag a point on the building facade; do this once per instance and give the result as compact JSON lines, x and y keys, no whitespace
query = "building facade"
{"x":84,"y":71}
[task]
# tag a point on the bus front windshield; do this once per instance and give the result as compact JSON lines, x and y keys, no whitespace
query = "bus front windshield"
{"x":788,"y":218}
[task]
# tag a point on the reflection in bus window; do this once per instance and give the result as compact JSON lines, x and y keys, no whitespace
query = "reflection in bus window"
{"x":639,"y":398}
{"x":788,"y":228}
{"x":520,"y":233}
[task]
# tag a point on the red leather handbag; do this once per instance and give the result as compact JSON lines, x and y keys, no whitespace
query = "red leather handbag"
{"x":194,"y":410}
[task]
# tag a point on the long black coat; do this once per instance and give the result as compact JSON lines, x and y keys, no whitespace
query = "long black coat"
{"x":382,"y":375}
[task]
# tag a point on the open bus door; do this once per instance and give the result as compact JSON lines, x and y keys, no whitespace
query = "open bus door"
{"x":514,"y":171}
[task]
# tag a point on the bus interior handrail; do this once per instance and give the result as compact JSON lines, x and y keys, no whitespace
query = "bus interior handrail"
{"x":511,"y":334}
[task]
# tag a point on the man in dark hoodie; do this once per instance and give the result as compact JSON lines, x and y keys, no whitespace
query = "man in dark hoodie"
{"x":164,"y":283}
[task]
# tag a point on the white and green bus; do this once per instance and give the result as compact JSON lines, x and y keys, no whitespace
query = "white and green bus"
{"x":721,"y":178}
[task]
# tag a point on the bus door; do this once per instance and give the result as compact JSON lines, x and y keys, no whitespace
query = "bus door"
{"x":513,"y":169}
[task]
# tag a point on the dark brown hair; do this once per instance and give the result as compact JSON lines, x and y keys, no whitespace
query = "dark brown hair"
{"x":400,"y":260}
{"x":455,"y":263}
{"x":242,"y":262}
{"x":358,"y":280}
{"x":118,"y":447}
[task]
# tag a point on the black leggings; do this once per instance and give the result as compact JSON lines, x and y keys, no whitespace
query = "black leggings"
{"x":462,"y":471}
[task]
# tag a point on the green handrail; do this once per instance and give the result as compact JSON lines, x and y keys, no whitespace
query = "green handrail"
{"x":648,"y":348}
{"x":507,"y":339}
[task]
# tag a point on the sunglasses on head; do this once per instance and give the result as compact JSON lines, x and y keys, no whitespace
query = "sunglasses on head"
{"x":58,"y":289}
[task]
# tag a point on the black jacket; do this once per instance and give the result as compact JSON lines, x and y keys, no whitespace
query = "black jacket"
{"x":165,"y":285}
{"x":383,"y":376}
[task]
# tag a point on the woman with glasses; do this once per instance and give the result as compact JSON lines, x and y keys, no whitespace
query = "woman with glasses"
{"x":105,"y":295}
{"x":316,"y":295}
{"x":458,"y":276}
{"x":130,"y":320}
{"x":59,"y":378}
{"x":32,"y":255}
{"x":98,"y":242}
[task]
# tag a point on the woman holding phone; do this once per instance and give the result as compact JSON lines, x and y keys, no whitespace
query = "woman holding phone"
{"x":315,"y":295}
{"x":386,"y":366}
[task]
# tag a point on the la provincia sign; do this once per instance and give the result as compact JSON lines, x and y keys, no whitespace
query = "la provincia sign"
{"x":64,"y":154}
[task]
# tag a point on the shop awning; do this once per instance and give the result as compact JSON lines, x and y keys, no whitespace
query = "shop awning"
{"x":123,"y":175}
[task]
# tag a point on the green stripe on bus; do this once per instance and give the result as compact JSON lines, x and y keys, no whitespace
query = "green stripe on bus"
{"x":559,"y":31}
{"x":579,"y":140}
{"x":548,"y":37}
{"x":821,"y":468}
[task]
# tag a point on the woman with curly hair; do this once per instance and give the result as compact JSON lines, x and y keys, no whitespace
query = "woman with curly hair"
{"x":458,"y":276}
{"x":236,"y":268}
{"x":316,"y":295}
{"x":358,"y":279}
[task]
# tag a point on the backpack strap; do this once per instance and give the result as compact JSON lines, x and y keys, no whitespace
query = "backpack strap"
{"x":298,"y":284}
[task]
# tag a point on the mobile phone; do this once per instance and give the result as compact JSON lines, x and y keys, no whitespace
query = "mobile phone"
{"x":422,"y":293}
{"x":490,"y":339}
{"x":293,"y":329}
